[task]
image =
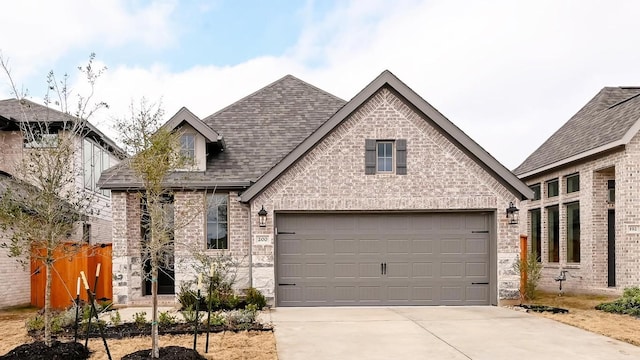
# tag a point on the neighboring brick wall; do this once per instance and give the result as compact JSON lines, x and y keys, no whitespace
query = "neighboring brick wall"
{"x":591,"y":274}
{"x":16,"y":288}
{"x":10,"y":150}
{"x":439,"y":177}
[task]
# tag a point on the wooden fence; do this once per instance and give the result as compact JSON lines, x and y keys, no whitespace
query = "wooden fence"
{"x":70,"y":260}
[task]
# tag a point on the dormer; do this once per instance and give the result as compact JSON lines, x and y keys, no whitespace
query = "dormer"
{"x":196,"y":138}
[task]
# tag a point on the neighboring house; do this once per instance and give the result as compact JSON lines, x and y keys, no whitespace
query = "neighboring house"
{"x":585,"y":216}
{"x":378,"y":200}
{"x":95,"y":153}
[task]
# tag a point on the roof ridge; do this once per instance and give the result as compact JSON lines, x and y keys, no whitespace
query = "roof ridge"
{"x":265,"y":88}
{"x":625,"y":100}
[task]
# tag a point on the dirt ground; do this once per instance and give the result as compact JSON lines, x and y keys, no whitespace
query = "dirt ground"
{"x":582,"y":314}
{"x":259,"y":345}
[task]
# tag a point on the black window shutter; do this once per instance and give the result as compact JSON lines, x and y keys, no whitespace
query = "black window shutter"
{"x":369,"y":156}
{"x":401,"y":156}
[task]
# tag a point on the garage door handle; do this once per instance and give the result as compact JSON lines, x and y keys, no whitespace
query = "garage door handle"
{"x":286,"y":284}
{"x":286,"y":232}
{"x":479,"y":283}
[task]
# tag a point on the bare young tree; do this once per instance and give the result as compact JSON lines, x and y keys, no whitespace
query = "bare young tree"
{"x":42,"y":202}
{"x":155,"y":155}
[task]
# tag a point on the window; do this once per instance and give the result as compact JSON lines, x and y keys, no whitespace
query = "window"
{"x":536,"y":243}
{"x":39,"y":136}
{"x":188,"y":146}
{"x":86,"y":233}
{"x":552,"y":188}
{"x":385,"y":156}
{"x":217,"y":222}
{"x":573,"y":232}
{"x":95,"y":161}
{"x":536,"y":191}
{"x":573,"y":183}
{"x":553,"y":233}
{"x":611,"y":191}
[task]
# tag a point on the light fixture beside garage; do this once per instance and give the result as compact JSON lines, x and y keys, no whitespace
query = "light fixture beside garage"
{"x":262,"y":216}
{"x":512,"y":213}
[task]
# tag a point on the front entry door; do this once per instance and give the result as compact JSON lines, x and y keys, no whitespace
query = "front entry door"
{"x":611,"y":249}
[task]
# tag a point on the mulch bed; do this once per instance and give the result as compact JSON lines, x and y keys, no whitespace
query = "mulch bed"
{"x":40,"y":351}
{"x":167,"y":353}
{"x":128,"y":330}
{"x":544,"y":308}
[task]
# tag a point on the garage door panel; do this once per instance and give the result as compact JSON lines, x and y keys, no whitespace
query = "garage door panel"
{"x":477,"y":270}
{"x":422,"y":270}
{"x":451,"y":270}
{"x":336,"y":259}
{"x":422,"y":246}
{"x":398,"y":246}
{"x":370,"y":270}
{"x":477,"y":246}
{"x":451,"y":246}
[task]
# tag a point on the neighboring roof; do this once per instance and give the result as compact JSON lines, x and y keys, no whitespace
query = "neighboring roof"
{"x":184,"y":115}
{"x":259,"y":131}
{"x":607,"y":121}
{"x":14,"y":112}
{"x":501,"y":173}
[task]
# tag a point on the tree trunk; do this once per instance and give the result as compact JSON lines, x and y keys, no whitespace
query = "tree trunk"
{"x":155,"y":348}
{"x":47,"y":297}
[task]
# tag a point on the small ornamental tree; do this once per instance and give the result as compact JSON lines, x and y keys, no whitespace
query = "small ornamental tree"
{"x":155,"y":155}
{"x":42,"y":203}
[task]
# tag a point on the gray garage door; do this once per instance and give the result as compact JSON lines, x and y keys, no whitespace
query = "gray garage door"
{"x":382,"y":259}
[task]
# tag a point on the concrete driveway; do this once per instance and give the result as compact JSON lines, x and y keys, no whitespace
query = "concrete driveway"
{"x":404,"y":333}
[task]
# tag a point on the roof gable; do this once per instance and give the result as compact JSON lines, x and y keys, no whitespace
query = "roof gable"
{"x":15,"y":111}
{"x":184,"y":115}
{"x":608,"y":120}
{"x":446,"y":126}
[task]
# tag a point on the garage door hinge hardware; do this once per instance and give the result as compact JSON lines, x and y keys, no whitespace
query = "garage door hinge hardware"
{"x":286,"y":284}
{"x":479,"y":283}
{"x":286,"y":232}
{"x":480,"y":231}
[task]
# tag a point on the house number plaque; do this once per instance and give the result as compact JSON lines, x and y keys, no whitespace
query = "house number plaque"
{"x":262,"y":239}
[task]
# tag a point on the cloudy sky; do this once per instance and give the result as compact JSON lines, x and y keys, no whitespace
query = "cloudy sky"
{"x":508,"y":73}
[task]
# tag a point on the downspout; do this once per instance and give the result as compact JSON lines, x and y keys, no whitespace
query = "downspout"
{"x":250,"y":217}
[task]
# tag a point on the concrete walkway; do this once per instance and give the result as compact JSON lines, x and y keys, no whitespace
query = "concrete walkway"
{"x":405,"y":333}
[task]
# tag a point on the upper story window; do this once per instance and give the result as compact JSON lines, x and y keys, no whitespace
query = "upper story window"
{"x":552,"y":188}
{"x":573,"y":183}
{"x":95,"y":161}
{"x":536,"y":191}
{"x":36,"y":137}
{"x":385,"y":157}
{"x":188,"y":146}
{"x":217,"y":221}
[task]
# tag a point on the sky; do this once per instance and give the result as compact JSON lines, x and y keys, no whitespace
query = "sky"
{"x":508,"y":73}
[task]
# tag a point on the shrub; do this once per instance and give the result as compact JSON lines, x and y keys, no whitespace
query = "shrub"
{"x":115,"y":318}
{"x":242,"y":319}
{"x":140,"y":319}
{"x":166,"y":319}
{"x":189,"y":314}
{"x":217,"y":319}
{"x":628,"y":304}
{"x":533,"y":269}
{"x":35,"y":323}
{"x":186,"y":297}
{"x":255,"y":297}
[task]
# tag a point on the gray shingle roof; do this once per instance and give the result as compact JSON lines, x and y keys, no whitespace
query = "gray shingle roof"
{"x":16,"y":111}
{"x":258,"y":130}
{"x":604,"y":122}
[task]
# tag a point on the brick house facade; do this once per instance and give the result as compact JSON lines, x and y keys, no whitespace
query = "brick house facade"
{"x":444,"y":178}
{"x":12,"y":148}
{"x":596,"y":230}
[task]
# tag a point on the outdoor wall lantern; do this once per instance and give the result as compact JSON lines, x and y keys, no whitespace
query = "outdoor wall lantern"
{"x":262,"y":216}
{"x":512,"y":214}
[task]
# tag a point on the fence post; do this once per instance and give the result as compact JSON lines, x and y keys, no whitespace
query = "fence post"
{"x":523,"y":266}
